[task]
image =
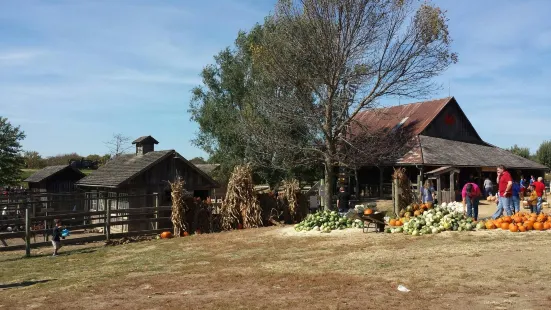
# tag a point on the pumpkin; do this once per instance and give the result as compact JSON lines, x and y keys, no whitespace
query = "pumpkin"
{"x":399,"y":223}
{"x":498,"y":222}
{"x":166,"y":235}
{"x":417,"y":213}
{"x":186,"y":234}
{"x":538,"y":226}
{"x":368,"y":211}
{"x":522,"y":228}
{"x":529,"y":225}
{"x":239,"y":226}
{"x":513,"y":228}
{"x":517,"y":219}
{"x":490,"y":225}
{"x":507,"y":219}
{"x":504,"y":226}
{"x":546,"y":226}
{"x":392,"y":222}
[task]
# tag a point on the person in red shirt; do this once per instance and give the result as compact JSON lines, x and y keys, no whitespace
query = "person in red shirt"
{"x":539,"y":187}
{"x":505,"y":184}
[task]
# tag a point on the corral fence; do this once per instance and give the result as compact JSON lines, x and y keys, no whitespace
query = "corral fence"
{"x":28,"y":222}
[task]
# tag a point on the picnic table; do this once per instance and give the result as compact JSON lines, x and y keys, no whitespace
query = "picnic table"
{"x":375,"y":220}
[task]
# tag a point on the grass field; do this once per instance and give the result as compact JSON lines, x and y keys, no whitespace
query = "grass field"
{"x":278,"y":268}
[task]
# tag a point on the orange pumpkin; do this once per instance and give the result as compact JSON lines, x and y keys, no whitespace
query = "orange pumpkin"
{"x":399,"y":223}
{"x":504,"y":226}
{"x":513,"y":228}
{"x":498,"y":222}
{"x":522,"y":228}
{"x":392,"y":222}
{"x":546,"y":226}
{"x":507,"y":219}
{"x":368,"y":211}
{"x":538,"y":226}
{"x":519,"y":224}
{"x":166,"y":235}
{"x":417,"y":213}
{"x":490,"y":225}
{"x":529,"y":225}
{"x":186,"y":234}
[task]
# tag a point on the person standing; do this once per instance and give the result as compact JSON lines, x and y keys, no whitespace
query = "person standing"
{"x":471,"y":196}
{"x":532,"y":180}
{"x":427,"y":193}
{"x":343,"y":200}
{"x":539,"y":188}
{"x":56,"y":237}
{"x":488,"y":187}
{"x":505,"y":182}
{"x":515,"y":197}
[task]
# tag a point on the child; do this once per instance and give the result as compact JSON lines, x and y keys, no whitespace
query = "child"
{"x":56,"y":236}
{"x":533,"y":199}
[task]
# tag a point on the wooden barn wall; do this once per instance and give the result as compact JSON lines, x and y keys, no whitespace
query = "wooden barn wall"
{"x":452,"y":124}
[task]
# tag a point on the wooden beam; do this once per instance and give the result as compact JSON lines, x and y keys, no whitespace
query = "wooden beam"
{"x":452,"y":185}
{"x":381,"y":171}
{"x":439,"y":189}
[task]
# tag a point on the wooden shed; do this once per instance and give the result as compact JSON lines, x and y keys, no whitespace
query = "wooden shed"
{"x":143,"y":173}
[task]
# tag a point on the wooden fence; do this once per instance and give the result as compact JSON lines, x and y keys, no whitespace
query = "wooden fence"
{"x":29,"y":219}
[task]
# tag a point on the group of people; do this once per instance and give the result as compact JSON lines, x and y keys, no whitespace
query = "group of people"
{"x":510,"y":193}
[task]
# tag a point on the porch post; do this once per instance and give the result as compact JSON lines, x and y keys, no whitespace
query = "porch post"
{"x":452,"y":185}
{"x":439,"y":189}
{"x":381,"y":170}
{"x":419,"y":182}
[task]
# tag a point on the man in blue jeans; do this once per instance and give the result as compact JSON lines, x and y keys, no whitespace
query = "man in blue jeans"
{"x":515,"y":198}
{"x":505,"y":183}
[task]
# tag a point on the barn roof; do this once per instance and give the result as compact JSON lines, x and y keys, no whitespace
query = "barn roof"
{"x":125,"y":167}
{"x":417,"y":116}
{"x":441,"y":152}
{"x":207,"y":168}
{"x":48,"y":172}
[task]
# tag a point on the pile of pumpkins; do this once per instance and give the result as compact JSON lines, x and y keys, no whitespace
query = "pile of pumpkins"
{"x":491,"y":198}
{"x":410,"y":211}
{"x":521,"y":222}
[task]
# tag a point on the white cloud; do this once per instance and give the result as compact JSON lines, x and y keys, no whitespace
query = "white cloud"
{"x":16,"y":58}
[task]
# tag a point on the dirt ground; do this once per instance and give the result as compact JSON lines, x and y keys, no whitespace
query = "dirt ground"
{"x":278,"y":268}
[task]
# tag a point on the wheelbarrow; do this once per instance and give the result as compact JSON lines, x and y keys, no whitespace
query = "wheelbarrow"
{"x":375,"y":220}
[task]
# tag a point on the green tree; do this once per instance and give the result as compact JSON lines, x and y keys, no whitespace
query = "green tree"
{"x":544,"y":154}
{"x":33,"y":160}
{"x":224,"y":108}
{"x":520,"y":151}
{"x":11,"y":161}
{"x":332,"y":59}
{"x":62,"y":159}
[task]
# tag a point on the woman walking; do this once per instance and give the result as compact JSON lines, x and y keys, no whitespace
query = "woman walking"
{"x":427,"y":193}
{"x":471,"y":196}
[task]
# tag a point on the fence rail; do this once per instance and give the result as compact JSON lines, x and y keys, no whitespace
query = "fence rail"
{"x":131,"y":221}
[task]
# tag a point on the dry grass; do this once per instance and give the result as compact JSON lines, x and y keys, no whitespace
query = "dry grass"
{"x":278,"y":268}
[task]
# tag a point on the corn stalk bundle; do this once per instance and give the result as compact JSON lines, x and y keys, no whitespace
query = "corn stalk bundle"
{"x":241,"y":205}
{"x":179,"y":206}
{"x":291,"y":189}
{"x":404,"y":184}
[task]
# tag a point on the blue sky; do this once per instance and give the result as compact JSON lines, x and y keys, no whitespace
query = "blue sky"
{"x":74,"y":72}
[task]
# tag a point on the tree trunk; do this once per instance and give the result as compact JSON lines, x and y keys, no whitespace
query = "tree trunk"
{"x":357,"y":185}
{"x":329,"y":179}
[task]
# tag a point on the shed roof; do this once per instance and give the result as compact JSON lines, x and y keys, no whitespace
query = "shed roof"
{"x":207,"y":168}
{"x":145,"y":139}
{"x":442,"y":152}
{"x":417,"y":116}
{"x":48,"y":172}
{"x":125,"y":167}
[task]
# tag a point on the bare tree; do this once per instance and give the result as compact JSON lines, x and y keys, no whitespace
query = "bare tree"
{"x":118,"y":145}
{"x":337,"y":58}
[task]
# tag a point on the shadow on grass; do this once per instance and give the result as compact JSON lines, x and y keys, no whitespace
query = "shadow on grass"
{"x":61,"y":254}
{"x":22,"y":284}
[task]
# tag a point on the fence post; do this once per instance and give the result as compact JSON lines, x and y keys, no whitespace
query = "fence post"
{"x":107,"y":217}
{"x":396,"y":191}
{"x":27,"y":232}
{"x":156,"y":210}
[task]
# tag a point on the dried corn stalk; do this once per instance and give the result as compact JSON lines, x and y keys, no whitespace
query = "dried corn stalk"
{"x":404,"y":184}
{"x":241,"y":205}
{"x":290,"y":189}
{"x":179,"y":206}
